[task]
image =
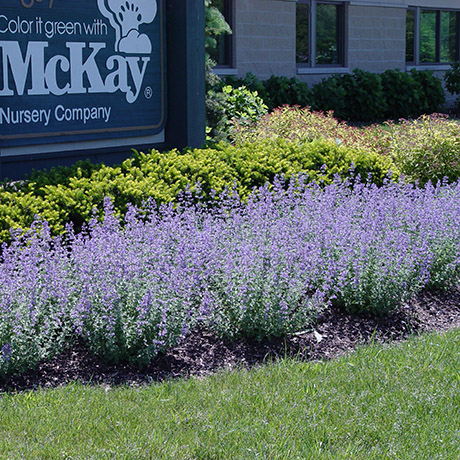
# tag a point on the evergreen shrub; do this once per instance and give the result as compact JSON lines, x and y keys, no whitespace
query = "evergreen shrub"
{"x":163,"y":176}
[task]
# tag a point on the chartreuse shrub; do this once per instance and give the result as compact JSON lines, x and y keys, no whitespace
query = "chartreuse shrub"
{"x":62,"y":198}
{"x":303,"y":125}
{"x":427,"y":149}
{"x":257,"y":268}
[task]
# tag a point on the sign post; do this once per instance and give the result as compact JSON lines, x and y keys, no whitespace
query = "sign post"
{"x":95,"y":79}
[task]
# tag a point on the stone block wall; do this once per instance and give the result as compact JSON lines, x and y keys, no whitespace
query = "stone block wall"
{"x":376,"y":38}
{"x":264,"y":37}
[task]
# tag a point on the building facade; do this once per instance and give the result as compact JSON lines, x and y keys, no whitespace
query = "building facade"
{"x":312,"y":39}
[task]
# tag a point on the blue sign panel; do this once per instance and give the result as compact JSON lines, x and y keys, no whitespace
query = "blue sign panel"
{"x":81,"y":70}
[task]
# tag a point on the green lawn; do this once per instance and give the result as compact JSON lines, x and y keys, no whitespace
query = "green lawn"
{"x":398,"y":402}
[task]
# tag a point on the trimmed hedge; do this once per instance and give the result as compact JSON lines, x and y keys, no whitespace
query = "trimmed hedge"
{"x":359,"y":96}
{"x":68,"y":195}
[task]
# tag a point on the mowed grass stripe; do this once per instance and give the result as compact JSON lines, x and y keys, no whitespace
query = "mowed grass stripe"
{"x":382,"y":402}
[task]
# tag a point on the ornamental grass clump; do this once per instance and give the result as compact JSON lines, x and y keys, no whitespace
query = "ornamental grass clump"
{"x":257,"y":268}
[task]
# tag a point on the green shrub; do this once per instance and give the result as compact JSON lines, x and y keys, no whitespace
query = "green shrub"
{"x":303,"y":125}
{"x":286,"y":91}
{"x":364,"y":97}
{"x":162,"y":176}
{"x":276,"y":91}
{"x":432,"y":96}
{"x":328,"y":95}
{"x":214,"y":103}
{"x":243,"y":105}
{"x":360,"y":96}
{"x":403,"y":94}
{"x":234,"y":104}
{"x":427,"y":149}
{"x":452,"y":79}
{"x":251,"y":82}
{"x":215,"y":27}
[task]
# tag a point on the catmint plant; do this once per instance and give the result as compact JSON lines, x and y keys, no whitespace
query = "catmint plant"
{"x":261,"y":267}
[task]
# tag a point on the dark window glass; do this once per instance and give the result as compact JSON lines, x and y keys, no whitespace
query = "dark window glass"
{"x":222,"y":54}
{"x":410,"y":35}
{"x":428,"y":20}
{"x":449,"y":29}
{"x":302,"y":33}
{"x":329,"y":33}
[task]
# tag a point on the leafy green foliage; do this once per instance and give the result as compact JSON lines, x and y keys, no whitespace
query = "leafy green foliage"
{"x":286,"y":91}
{"x":215,"y":25}
{"x":215,"y":105}
{"x":364,"y":96}
{"x":432,"y":95}
{"x":360,"y":96}
{"x":276,"y":91}
{"x":452,"y":79}
{"x":234,"y":104}
{"x":251,"y":82}
{"x":329,"y":95}
{"x":427,"y":149}
{"x":162,"y":176}
{"x":407,"y":94}
{"x":304,"y":125}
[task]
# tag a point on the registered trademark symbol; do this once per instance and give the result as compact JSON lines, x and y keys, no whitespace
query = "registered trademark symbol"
{"x":148,"y":92}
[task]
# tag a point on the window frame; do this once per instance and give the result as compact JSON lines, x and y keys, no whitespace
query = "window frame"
{"x":438,"y":38}
{"x":342,"y":35}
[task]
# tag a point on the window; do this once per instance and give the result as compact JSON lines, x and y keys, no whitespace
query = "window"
{"x":320,"y":33}
{"x":432,"y":36}
{"x":410,"y":35}
{"x":222,"y":54}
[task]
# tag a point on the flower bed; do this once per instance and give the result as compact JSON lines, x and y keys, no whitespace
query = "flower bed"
{"x":261,"y":268}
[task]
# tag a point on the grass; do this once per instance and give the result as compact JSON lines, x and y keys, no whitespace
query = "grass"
{"x":398,"y":402}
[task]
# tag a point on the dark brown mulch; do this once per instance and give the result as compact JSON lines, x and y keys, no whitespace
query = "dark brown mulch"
{"x":202,"y":353}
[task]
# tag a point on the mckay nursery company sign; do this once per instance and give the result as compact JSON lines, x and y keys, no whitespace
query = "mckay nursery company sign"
{"x":80,"y":70}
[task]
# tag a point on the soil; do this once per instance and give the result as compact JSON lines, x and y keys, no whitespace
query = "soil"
{"x":202,"y":353}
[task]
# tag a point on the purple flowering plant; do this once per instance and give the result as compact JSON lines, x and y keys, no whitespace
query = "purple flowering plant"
{"x":266,"y":266}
